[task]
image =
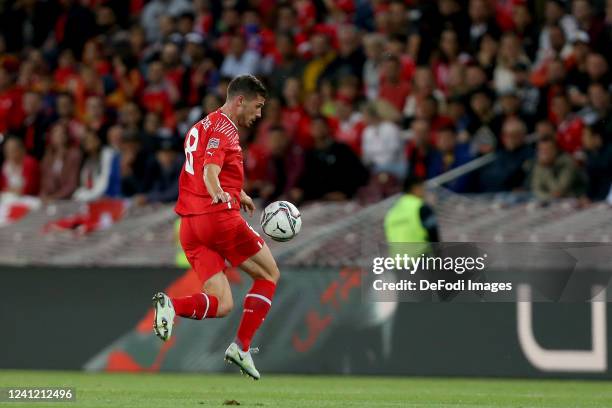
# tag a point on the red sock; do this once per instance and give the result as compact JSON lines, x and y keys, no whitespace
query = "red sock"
{"x":197,"y":306}
{"x":256,"y":305}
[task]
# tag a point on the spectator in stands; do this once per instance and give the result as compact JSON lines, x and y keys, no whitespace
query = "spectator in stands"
{"x":597,"y":69}
{"x":350,"y":58}
{"x":508,"y":106}
{"x":508,"y":172}
{"x":38,"y":16}
{"x":418,"y":148}
{"x":173,"y":67}
{"x":201,"y":73}
{"x":510,"y":54}
{"x":555,"y":84}
{"x":577,"y":76}
{"x":307,"y":112}
{"x":77,"y":25}
{"x":560,"y":50}
{"x":210,"y":103}
{"x":373,"y":45}
{"x":529,"y":97}
{"x":66,"y":115}
{"x":398,"y":18}
{"x":382,"y":145}
{"x":392,"y":88}
{"x":134,"y":161}
{"x":240,"y":60}
{"x":475,"y":78}
{"x":598,"y":162}
{"x":130,"y":117}
{"x":428,"y":109}
{"x":482,"y":125}
{"x":449,"y":14}
{"x":100,"y":174}
{"x":19,"y":173}
{"x":447,"y":155}
{"x":272,"y":118}
{"x":60,"y":166}
{"x":423,"y":87}
{"x":544,"y":129}
{"x":588,"y":21}
{"x":331,"y":170}
{"x":284,"y":166}
{"x":95,"y":117}
{"x":555,"y":174}
{"x":598,"y":107}
{"x":34,"y":126}
{"x":163,"y":173}
{"x":555,"y":15}
{"x":159,"y":95}
{"x":569,"y":125}
{"x":322,"y":55}
{"x":10,"y":96}
{"x":155,"y":9}
{"x":152,"y":129}
{"x":525,"y":28}
{"x":127,"y":79}
{"x":487,"y":55}
{"x":481,"y":21}
{"x":287,"y":63}
{"x":350,"y":124}
{"x":294,"y":115}
{"x":449,"y":54}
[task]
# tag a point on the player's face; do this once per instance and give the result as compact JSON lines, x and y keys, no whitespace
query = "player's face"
{"x":251,"y":110}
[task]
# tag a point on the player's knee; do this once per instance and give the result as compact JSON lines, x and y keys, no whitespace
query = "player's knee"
{"x":225,"y":307}
{"x":272,"y":273}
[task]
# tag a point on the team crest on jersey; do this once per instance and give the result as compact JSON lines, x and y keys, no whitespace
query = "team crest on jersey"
{"x":213,"y":143}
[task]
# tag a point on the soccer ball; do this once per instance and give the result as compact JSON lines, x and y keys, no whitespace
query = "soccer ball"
{"x":281,"y":221}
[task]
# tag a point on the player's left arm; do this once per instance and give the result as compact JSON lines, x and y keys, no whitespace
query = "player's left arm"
{"x":246,"y":203}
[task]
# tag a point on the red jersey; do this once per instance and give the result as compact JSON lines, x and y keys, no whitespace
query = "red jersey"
{"x":213,"y":140}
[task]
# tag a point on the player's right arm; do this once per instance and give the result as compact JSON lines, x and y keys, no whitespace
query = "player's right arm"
{"x":213,"y":186}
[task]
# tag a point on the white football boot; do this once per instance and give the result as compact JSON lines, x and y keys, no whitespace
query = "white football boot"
{"x":164,"y":316}
{"x":242,"y":359}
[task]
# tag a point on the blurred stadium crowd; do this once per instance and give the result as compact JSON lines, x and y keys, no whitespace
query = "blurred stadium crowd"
{"x":96,"y":96}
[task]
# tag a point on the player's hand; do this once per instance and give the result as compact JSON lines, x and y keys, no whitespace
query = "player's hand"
{"x":246,"y":203}
{"x":221,"y":197}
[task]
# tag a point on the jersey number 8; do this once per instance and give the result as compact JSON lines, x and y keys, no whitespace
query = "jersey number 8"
{"x":190,"y":147}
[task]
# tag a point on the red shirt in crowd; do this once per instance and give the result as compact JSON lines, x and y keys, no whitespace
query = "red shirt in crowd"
{"x":157,"y":99}
{"x":395,"y":93}
{"x":350,"y":133}
{"x":569,"y":134}
{"x":11,"y":113}
{"x":24,"y":179}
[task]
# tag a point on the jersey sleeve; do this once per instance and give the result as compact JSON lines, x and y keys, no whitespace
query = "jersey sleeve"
{"x":215,"y":149}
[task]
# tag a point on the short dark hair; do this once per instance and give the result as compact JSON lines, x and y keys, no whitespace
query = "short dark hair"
{"x":549,"y":139}
{"x":448,"y":127}
{"x":597,"y":128}
{"x":246,"y":85}
{"x":412,"y":181}
{"x":65,"y":94}
{"x":320,"y":118}
{"x":16,"y":139}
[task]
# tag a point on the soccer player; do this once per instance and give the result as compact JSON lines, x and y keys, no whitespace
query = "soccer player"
{"x":212,"y":229}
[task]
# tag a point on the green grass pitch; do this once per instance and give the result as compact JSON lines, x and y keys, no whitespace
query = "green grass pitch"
{"x":204,"y":390}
